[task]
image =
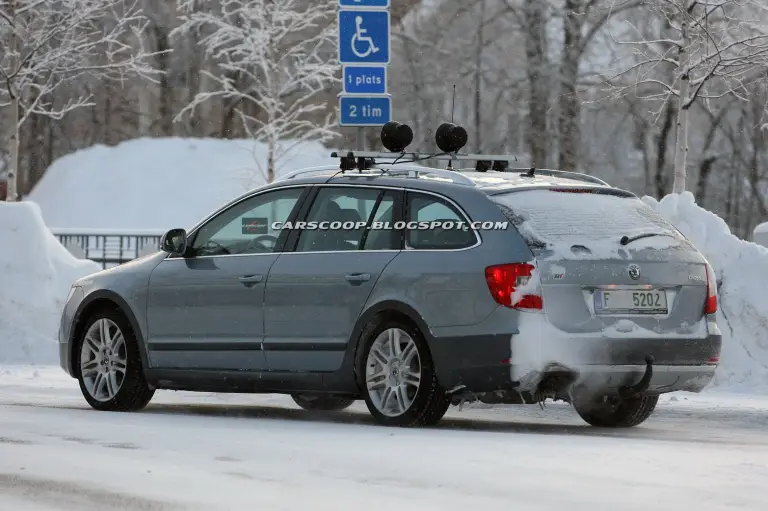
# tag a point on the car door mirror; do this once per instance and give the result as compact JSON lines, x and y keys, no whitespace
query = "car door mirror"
{"x":174,"y":241}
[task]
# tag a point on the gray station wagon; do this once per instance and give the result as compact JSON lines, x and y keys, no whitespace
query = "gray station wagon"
{"x":548,"y":285}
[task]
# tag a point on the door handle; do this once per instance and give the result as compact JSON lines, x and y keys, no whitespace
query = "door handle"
{"x":358,"y":278}
{"x":251,"y":280}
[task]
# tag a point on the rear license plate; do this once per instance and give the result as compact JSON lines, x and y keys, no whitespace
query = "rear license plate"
{"x":622,"y":301}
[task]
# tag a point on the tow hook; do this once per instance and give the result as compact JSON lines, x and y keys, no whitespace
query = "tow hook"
{"x":638,"y":388}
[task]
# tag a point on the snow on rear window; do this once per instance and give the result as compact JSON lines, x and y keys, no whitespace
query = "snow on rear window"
{"x":561,"y":221}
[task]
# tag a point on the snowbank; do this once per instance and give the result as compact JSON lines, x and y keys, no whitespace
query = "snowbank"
{"x":158,"y":183}
{"x":36,"y":272}
{"x":742,"y":271}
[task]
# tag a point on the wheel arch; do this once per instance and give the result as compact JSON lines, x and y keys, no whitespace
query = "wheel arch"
{"x":375,"y":315}
{"x":93,"y":303}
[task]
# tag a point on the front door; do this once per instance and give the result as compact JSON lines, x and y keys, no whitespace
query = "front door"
{"x":316,"y":292}
{"x":205,"y":310}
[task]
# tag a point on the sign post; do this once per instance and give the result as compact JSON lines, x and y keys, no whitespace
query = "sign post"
{"x":364,"y":52}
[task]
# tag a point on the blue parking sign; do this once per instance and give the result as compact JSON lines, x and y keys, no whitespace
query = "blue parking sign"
{"x":377,"y":4}
{"x":365,"y":110}
{"x":363,"y":37}
{"x":365,"y":80}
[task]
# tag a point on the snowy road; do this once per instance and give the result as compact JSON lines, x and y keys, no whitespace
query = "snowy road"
{"x":207,"y":452}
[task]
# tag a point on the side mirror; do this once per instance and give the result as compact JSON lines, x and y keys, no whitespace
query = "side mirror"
{"x":174,"y":241}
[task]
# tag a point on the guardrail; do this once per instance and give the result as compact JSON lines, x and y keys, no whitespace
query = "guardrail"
{"x":108,"y":247}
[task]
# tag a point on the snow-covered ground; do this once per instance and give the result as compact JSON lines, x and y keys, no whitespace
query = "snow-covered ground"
{"x":228,"y":452}
{"x":152,"y":184}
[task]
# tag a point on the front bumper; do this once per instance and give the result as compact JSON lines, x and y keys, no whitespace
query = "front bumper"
{"x":66,"y":324}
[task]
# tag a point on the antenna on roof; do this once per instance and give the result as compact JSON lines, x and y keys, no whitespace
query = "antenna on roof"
{"x":453,"y":102}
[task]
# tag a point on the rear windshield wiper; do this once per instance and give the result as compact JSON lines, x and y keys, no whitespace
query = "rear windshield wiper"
{"x":626,"y":240}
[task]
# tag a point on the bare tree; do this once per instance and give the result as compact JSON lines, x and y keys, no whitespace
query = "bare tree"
{"x":49,"y":44}
{"x":709,"y":49}
{"x":536,"y":17}
{"x":275,"y":57}
{"x":582,"y":21}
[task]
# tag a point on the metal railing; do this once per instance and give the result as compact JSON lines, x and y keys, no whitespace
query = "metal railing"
{"x":108,"y":247}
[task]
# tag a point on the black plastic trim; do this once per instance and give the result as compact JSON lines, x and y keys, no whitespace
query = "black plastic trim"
{"x":122,"y":306}
{"x":305,"y":346}
{"x":205,"y":346}
{"x":214,"y":380}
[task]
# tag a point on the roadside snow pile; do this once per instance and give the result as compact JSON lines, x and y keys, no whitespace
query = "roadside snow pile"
{"x":151,"y":184}
{"x":36,"y":272}
{"x":742,"y":271}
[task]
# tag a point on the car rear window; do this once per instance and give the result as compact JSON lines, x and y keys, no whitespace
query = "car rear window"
{"x":572,"y":219}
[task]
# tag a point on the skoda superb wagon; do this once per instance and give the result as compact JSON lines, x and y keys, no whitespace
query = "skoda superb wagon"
{"x":578,"y":291}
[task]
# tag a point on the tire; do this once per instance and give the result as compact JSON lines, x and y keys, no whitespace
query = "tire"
{"x":416,"y":405}
{"x":128,"y":393}
{"x":626,"y":413}
{"x":321,"y":403}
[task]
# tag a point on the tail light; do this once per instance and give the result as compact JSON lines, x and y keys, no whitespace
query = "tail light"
{"x":508,"y":282}
{"x":711,"y":306}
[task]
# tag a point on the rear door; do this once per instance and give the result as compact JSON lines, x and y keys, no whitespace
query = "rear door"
{"x":609,"y":263}
{"x":318,"y":286}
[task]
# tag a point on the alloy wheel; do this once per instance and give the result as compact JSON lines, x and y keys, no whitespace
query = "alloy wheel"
{"x":393,"y":372}
{"x":103,"y":360}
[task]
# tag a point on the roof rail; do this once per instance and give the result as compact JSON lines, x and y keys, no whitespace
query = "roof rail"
{"x":425,"y":173}
{"x":301,"y":172}
{"x":563,"y":173}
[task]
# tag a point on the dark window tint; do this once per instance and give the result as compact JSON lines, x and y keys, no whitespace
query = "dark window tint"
{"x":454,"y":232}
{"x":340,"y":220}
{"x":381,"y":234}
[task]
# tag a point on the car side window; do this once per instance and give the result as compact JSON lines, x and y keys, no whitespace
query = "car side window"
{"x":381,"y":234}
{"x":339,"y":218}
{"x":453,"y":232}
{"x":247,"y":227}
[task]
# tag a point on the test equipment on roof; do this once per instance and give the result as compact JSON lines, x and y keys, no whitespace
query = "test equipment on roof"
{"x":396,"y":137}
{"x":450,"y":139}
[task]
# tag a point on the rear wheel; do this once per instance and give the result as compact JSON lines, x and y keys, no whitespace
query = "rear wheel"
{"x":108,"y":364}
{"x":398,"y":376}
{"x":616,"y":412}
{"x":321,"y":403}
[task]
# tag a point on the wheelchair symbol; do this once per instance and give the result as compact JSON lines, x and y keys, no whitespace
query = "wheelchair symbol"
{"x":361,"y":39}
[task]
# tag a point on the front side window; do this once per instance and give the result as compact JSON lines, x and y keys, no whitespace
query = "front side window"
{"x":452,"y":233}
{"x":340,"y":221}
{"x":247,"y":227}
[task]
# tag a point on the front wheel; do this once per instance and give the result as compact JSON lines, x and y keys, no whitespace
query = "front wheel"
{"x":108,"y":364}
{"x":616,"y":412}
{"x":398,"y":377}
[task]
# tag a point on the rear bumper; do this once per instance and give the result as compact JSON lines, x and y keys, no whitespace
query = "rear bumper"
{"x":481,"y":364}
{"x":666,"y":378}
